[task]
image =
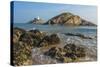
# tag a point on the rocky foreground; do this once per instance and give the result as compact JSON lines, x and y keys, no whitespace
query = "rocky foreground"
{"x":35,"y":47}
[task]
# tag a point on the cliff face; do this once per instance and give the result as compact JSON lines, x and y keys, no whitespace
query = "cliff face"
{"x":68,"y":19}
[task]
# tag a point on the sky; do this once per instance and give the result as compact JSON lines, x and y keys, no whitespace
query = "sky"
{"x":26,"y":11}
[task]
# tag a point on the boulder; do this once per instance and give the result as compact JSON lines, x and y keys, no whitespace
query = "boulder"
{"x":36,"y":34}
{"x":21,"y":47}
{"x":17,"y":32}
{"x":23,"y":43}
{"x":74,"y":51}
{"x":49,"y":40}
{"x":78,"y":35}
{"x":54,"y":52}
{"x":69,"y":53}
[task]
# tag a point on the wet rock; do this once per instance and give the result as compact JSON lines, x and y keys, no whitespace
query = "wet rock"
{"x":70,"y":53}
{"x":74,"y":51}
{"x":39,"y":58}
{"x":22,"y":54}
{"x":35,"y":32}
{"x":54,"y":39}
{"x":83,"y":36}
{"x":17,"y":32}
{"x":52,"y":52}
{"x":79,"y":35}
{"x":49,"y":40}
{"x":26,"y":38}
{"x":24,"y":42}
{"x":56,"y":53}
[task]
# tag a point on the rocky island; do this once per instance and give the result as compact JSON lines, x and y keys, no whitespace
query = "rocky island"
{"x":66,"y":18}
{"x":37,"y":20}
{"x":69,"y":19}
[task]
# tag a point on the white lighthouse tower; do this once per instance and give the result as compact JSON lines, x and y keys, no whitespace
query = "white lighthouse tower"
{"x":38,"y":17}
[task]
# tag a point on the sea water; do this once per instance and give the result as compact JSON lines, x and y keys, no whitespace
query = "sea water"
{"x":87,"y":30}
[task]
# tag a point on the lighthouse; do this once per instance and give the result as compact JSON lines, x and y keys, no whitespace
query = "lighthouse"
{"x":38,"y":17}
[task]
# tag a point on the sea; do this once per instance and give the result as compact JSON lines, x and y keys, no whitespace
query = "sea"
{"x":87,"y":30}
